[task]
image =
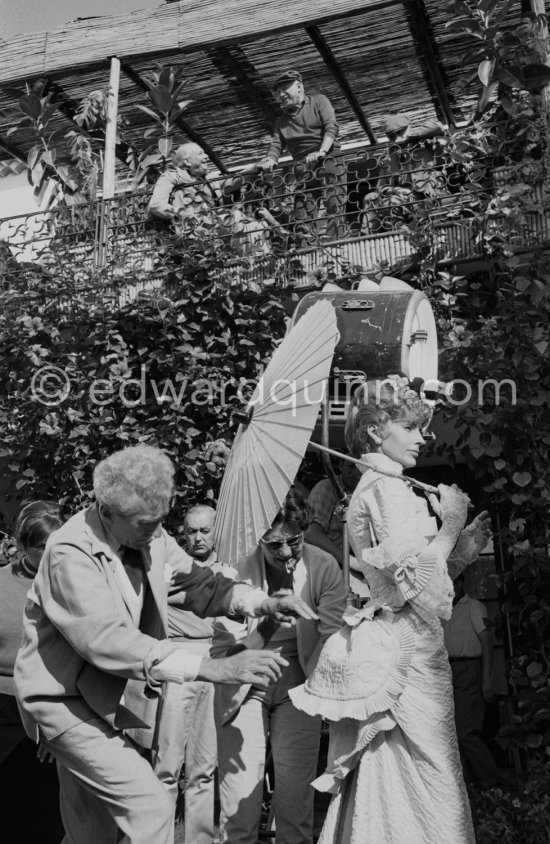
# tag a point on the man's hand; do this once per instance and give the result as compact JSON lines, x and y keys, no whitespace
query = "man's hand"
{"x":257,"y":667}
{"x":285,"y":608}
{"x":267,"y":164}
{"x":312,"y":157}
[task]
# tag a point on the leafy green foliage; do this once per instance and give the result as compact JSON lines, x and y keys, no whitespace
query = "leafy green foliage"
{"x":167,"y":369}
{"x":68,"y":158}
{"x":494,"y":325}
{"x":165,"y":108}
{"x":514,"y":817}
{"x":511,"y":59}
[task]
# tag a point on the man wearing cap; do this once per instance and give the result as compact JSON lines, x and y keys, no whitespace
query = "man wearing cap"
{"x":307,"y":129}
{"x":396,"y":127}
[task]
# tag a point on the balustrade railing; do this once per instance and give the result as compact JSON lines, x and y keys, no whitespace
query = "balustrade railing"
{"x":362,"y":209}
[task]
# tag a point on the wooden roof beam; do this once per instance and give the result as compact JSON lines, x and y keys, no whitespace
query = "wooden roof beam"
{"x":428,"y":54}
{"x":191,"y":133}
{"x":237,"y":66}
{"x":333,"y":65}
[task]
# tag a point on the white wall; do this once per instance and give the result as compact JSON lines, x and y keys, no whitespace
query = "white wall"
{"x":16,"y":196}
{"x":28,"y":237}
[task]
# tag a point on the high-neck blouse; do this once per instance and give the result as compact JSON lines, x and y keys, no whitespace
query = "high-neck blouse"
{"x":390,"y":531}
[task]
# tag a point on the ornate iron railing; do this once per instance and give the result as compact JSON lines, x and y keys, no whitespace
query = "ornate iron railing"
{"x":294,"y":226}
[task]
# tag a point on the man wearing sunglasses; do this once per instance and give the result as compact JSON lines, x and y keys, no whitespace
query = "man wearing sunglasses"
{"x":247,"y":715}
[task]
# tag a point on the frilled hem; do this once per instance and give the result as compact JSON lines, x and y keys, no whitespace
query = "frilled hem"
{"x":359,"y":737}
{"x":336,"y":703}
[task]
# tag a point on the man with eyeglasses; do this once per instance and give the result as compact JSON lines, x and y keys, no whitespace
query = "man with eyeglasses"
{"x":307,"y":129}
{"x":247,"y":715}
{"x":96,"y":653}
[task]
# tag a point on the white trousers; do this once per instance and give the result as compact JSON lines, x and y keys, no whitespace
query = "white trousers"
{"x":187,"y":736}
{"x":107,"y":786}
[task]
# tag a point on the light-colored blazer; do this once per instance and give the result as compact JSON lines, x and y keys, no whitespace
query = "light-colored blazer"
{"x":179,"y":192}
{"x":319,"y":582}
{"x":82,"y":655}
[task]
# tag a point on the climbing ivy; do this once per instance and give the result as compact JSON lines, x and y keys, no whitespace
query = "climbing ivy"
{"x":165,"y":370}
{"x":494,"y":327}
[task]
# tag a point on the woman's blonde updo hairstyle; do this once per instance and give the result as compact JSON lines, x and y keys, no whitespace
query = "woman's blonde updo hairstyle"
{"x":376,"y":403}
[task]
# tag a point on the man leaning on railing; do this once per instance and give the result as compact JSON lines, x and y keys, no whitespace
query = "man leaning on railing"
{"x":408,"y":172}
{"x":308,"y":130}
{"x":183,"y":196}
{"x":183,"y":191}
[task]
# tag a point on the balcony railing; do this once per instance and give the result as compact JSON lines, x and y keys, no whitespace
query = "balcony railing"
{"x":359,"y":209}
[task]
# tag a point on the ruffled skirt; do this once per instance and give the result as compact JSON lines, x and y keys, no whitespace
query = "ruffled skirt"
{"x":405,"y":785}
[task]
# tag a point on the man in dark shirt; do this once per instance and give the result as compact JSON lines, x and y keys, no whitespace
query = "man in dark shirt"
{"x":308,"y":130}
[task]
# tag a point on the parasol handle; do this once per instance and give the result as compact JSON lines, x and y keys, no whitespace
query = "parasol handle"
{"x":243,"y":417}
{"x":412,"y":481}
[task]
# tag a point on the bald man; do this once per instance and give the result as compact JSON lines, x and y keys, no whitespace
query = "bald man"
{"x":183,"y":192}
{"x":187,"y":734}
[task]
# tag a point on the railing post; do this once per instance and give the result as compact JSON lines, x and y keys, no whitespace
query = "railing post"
{"x":101,"y":233}
{"x":108,"y":165}
{"x":110,"y":131}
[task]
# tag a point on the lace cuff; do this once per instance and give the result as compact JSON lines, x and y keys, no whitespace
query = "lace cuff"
{"x":463,"y":554}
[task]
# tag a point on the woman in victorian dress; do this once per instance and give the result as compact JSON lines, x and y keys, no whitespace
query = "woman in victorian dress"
{"x":384,"y":680}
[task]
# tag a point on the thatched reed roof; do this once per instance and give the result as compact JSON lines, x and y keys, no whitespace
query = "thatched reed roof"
{"x":371,"y":57}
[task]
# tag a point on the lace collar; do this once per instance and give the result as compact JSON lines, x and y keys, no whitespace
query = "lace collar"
{"x":380,"y":461}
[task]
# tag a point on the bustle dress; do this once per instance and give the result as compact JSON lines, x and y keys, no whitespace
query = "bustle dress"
{"x":385,"y":684}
